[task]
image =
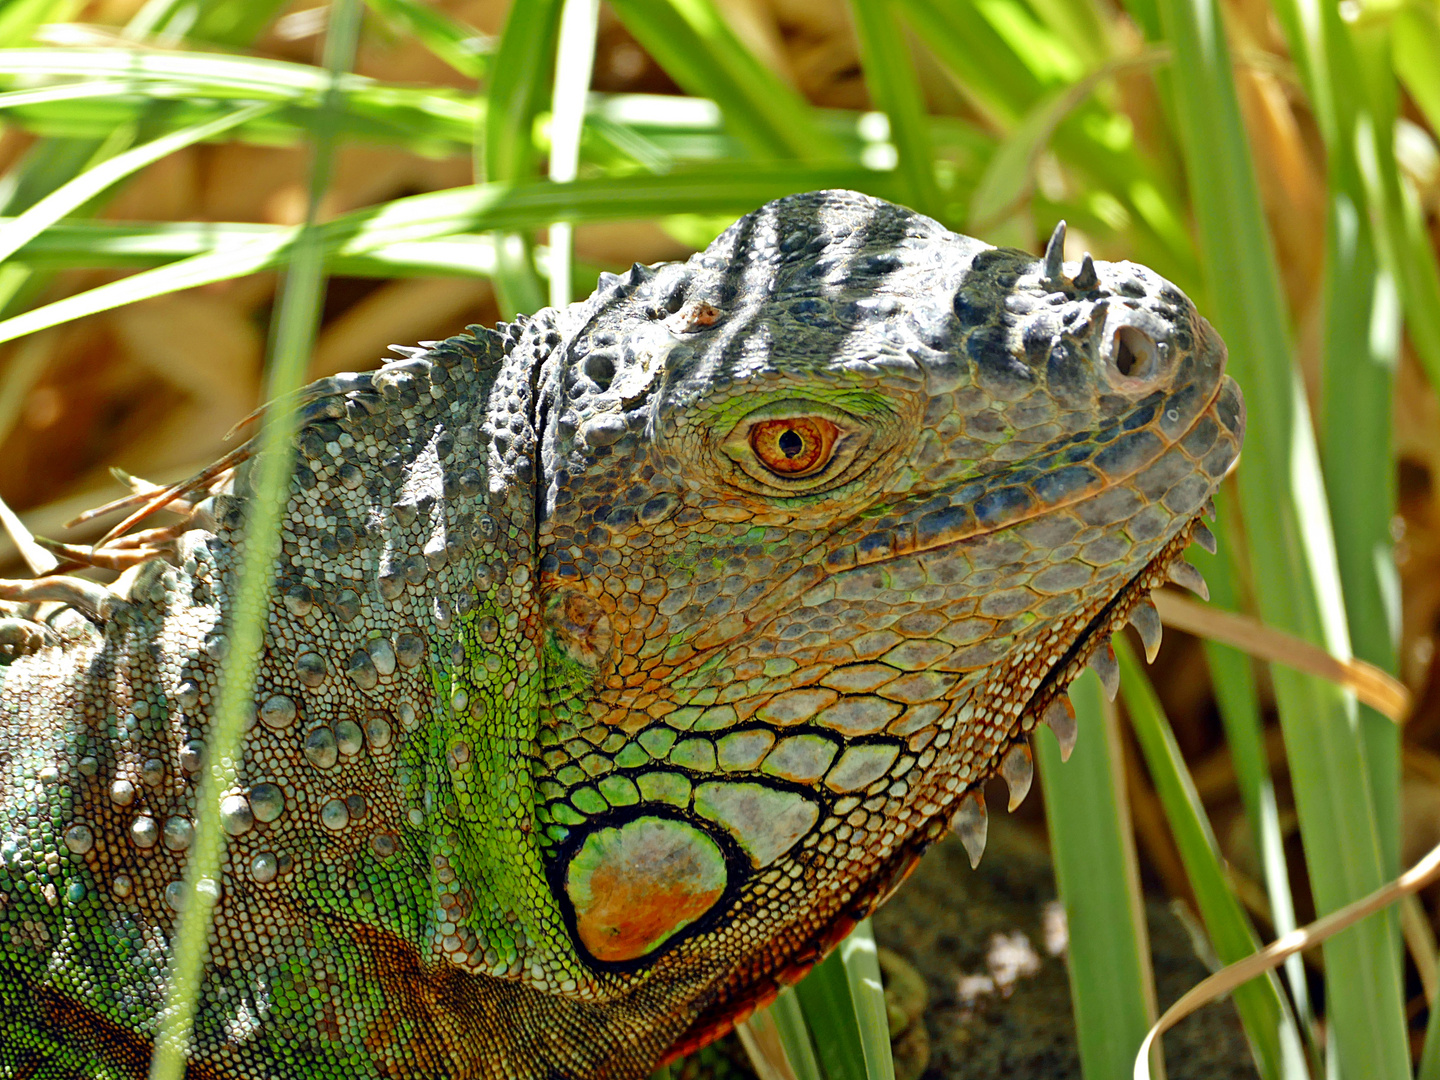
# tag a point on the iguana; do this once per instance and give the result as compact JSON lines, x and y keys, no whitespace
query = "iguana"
{"x":619,"y":659}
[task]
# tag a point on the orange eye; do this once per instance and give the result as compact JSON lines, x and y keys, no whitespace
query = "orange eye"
{"x":794,"y":447}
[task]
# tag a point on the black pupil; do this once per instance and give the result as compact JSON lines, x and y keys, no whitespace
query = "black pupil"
{"x":791,"y":444}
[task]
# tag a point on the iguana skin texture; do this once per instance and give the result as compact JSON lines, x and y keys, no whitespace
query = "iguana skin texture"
{"x":619,"y":659}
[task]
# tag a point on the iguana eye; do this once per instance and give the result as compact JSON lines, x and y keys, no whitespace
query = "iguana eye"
{"x":796,"y":446}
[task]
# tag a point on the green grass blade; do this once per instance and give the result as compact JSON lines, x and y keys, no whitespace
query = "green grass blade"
{"x":1349,"y":79}
{"x":1023,"y":76}
{"x":1416,"y":45}
{"x":1419,"y":280}
{"x":1078,"y":23}
{"x":70,"y":197}
{"x":968,"y":46}
{"x":195,"y":87}
{"x":895,"y":91}
{"x":777,"y":1041}
{"x":1361,"y":348}
{"x":519,"y":88}
{"x":1291,"y":547}
{"x":844,"y":1004}
{"x":824,"y":996}
{"x":234,"y":23}
{"x":1371,"y":50}
{"x":1430,"y":1054}
{"x":19,"y":19}
{"x":133,"y":244}
{"x":219,"y":73}
{"x":1050,"y":59}
{"x":463,"y":47}
{"x":1274,"y":1038}
{"x":789,"y":1019}
{"x":141,"y":245}
{"x":1111,"y":982}
{"x":867,"y":993}
{"x":520,"y":82}
{"x":437,"y":123}
{"x":300,"y":304}
{"x":1233,"y":676}
{"x":66,"y":92}
{"x":45,"y":166}
{"x":697,"y":48}
{"x":574,"y":63}
{"x":442,"y":214}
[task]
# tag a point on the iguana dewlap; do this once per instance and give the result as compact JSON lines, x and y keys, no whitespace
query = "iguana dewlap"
{"x":618,"y":659}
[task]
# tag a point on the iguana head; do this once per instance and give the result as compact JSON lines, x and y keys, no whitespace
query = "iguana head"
{"x":832,"y":514}
{"x":825,"y":521}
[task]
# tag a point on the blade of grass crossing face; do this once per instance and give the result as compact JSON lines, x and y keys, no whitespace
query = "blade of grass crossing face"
{"x":1111,"y":982}
{"x":520,"y":81}
{"x":298,"y":319}
{"x":895,"y":91}
{"x":73,"y":195}
{"x":844,"y":1004}
{"x":574,"y":62}
{"x":696,"y":47}
{"x":1274,"y":1038}
{"x":1290,"y":543}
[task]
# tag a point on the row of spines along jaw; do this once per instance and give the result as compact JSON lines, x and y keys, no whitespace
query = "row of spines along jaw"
{"x":1051,"y":703}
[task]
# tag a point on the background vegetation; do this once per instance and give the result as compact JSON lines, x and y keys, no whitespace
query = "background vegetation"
{"x":165,"y":160}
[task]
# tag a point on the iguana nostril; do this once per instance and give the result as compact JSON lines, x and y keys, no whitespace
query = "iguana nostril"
{"x":1133,"y":353}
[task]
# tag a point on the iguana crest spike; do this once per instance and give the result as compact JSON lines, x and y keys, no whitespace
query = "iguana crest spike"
{"x":618,"y":659}
{"x":1055,"y":255}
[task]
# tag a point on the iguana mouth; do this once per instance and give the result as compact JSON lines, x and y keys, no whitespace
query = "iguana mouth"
{"x":1111,"y":618}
